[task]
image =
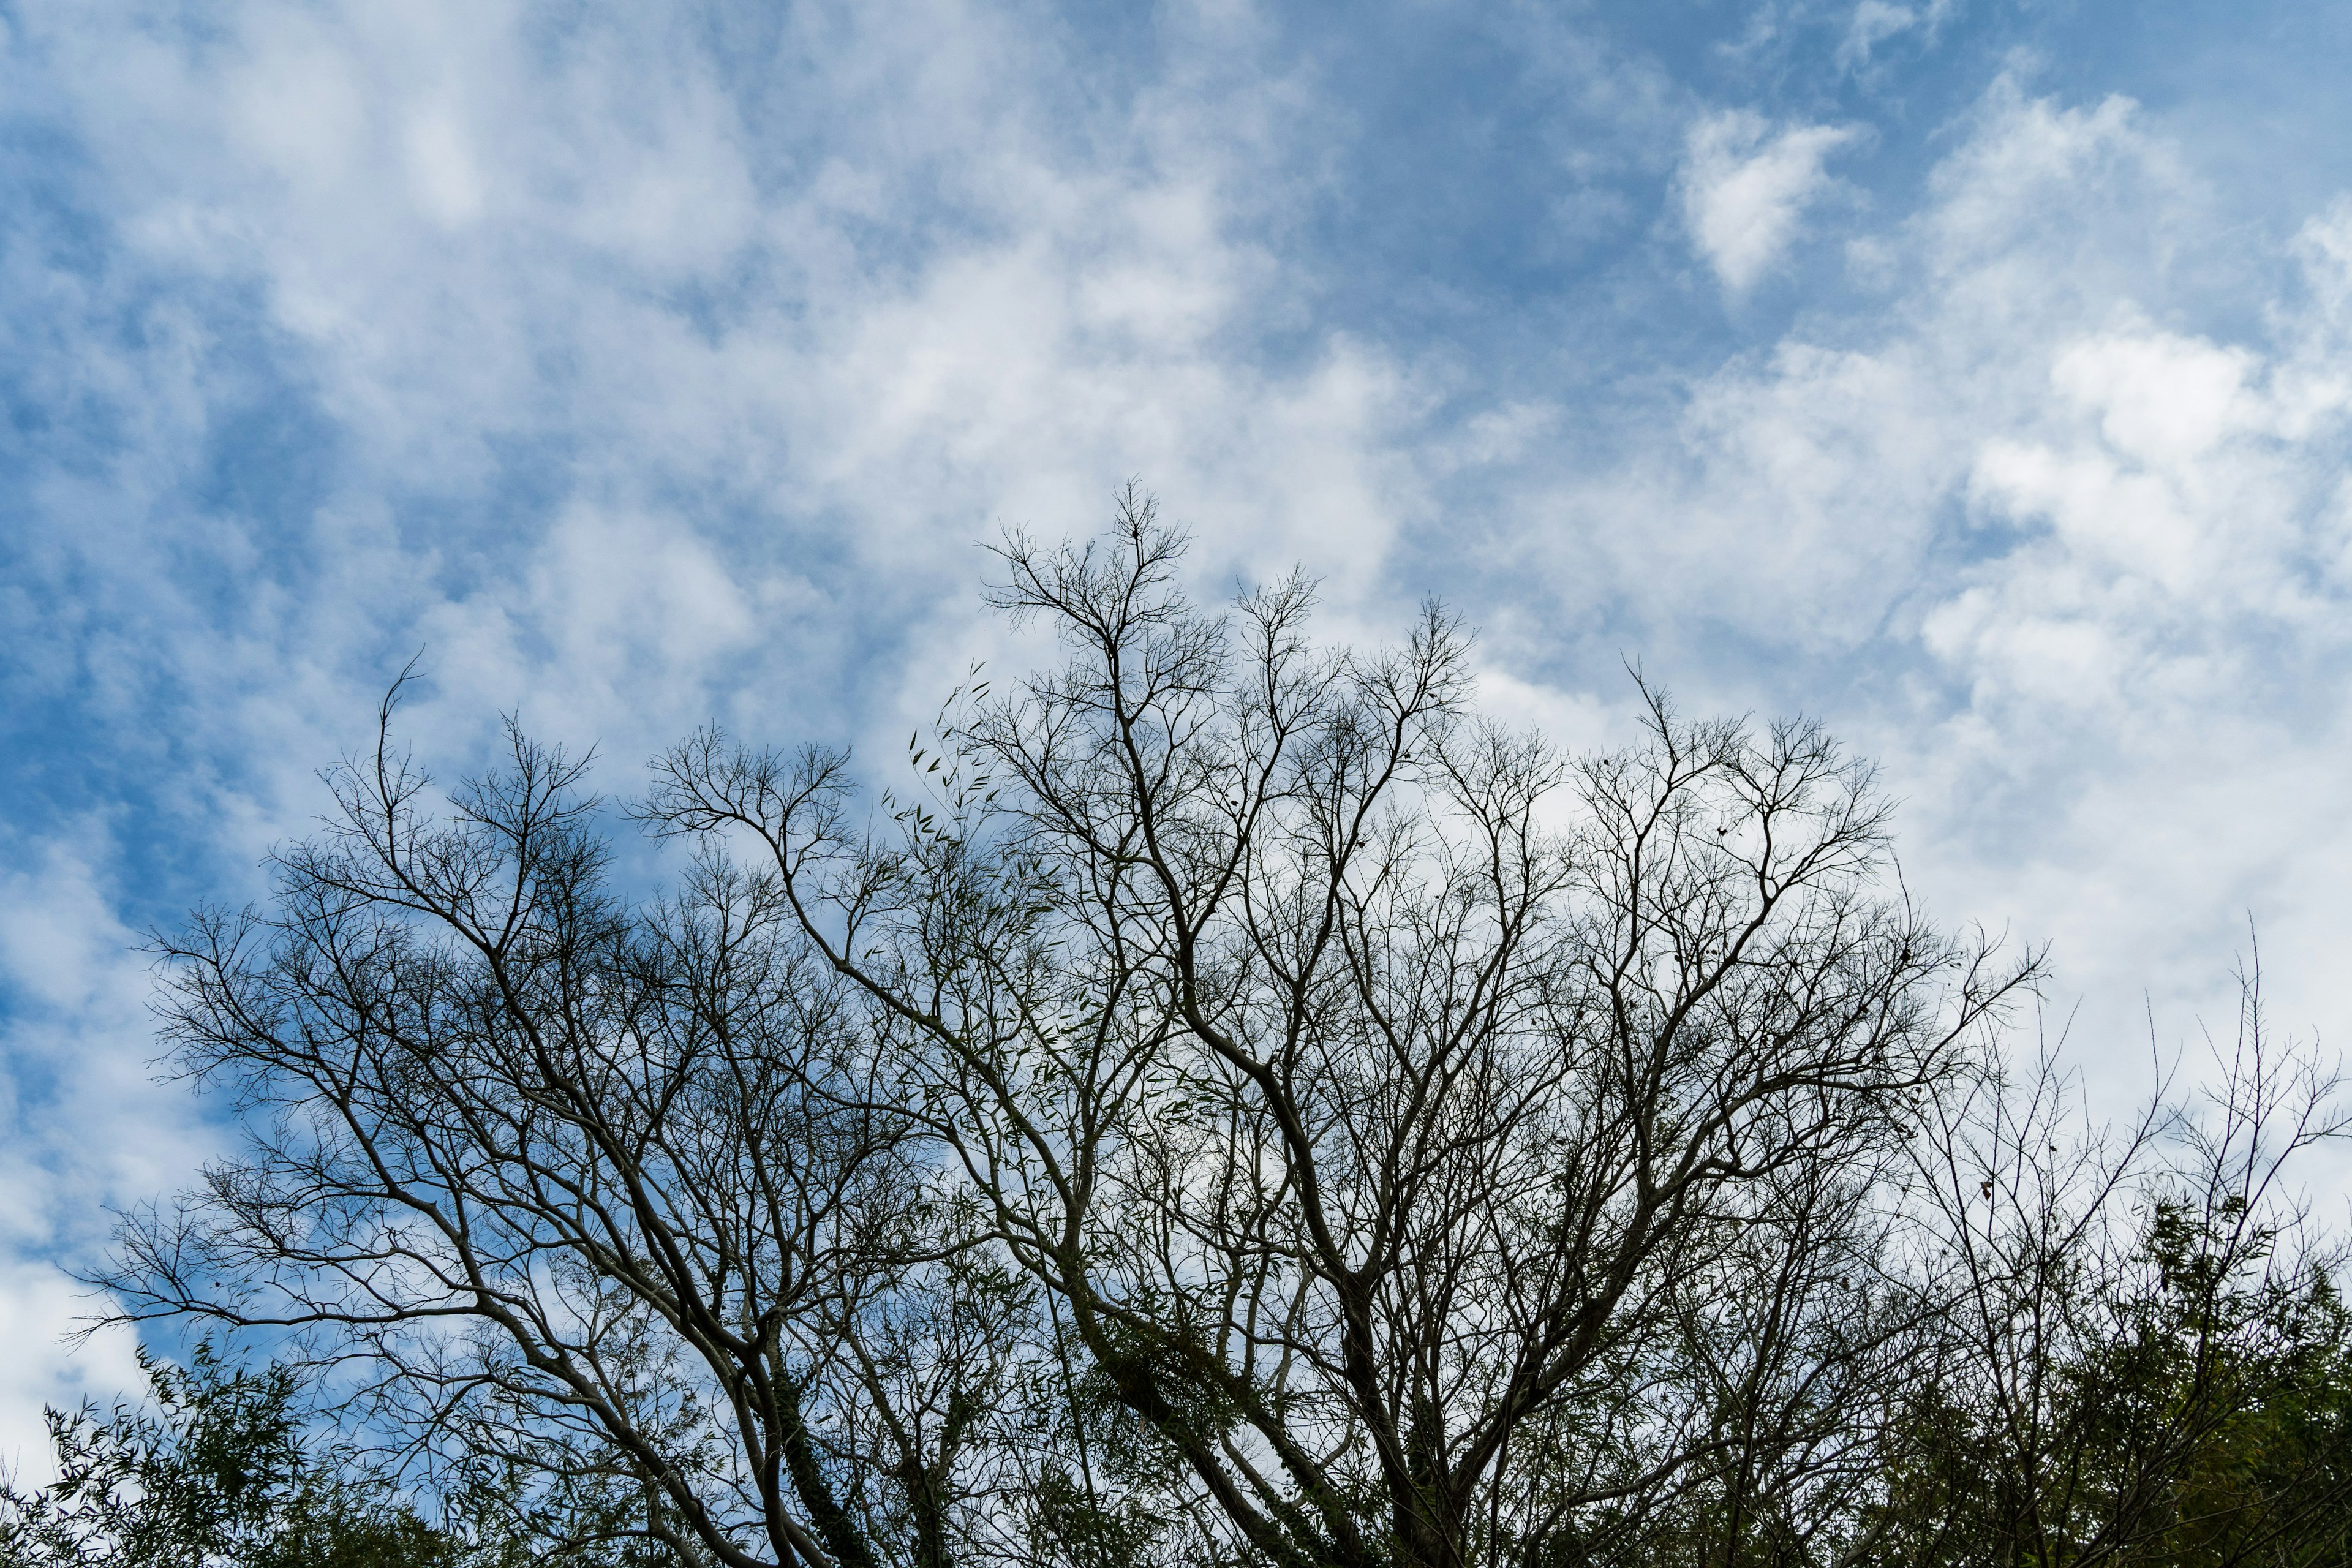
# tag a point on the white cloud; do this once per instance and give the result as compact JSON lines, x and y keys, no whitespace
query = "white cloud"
{"x":441,"y":170}
{"x":1744,"y":187}
{"x":40,"y":1311}
{"x":2076,"y":570}
{"x":911,"y":308}
{"x":81,"y":1128}
{"x":1874,"y":22}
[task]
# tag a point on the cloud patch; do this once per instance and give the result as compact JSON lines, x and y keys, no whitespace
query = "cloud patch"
{"x":1877,"y":22}
{"x":1746,"y":186}
{"x":2060,"y":537}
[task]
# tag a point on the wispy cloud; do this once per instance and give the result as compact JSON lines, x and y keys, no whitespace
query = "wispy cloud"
{"x":1876,"y":22}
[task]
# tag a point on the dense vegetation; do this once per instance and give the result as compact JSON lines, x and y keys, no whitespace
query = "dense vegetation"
{"x":1239,"y":1107}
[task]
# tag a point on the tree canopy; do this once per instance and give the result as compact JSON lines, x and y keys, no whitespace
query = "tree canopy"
{"x":1236,"y":1104}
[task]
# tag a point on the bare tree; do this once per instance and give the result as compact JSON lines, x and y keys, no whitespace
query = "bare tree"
{"x":1239,"y":1107}
{"x":2136,"y":1320}
{"x":622,"y":1197}
{"x":1391,"y":1104}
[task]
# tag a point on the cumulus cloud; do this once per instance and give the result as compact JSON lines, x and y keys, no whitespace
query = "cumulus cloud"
{"x":1744,"y":187}
{"x":2077,"y":571}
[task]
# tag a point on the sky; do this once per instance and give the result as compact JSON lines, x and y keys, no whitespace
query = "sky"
{"x":1974,"y":375}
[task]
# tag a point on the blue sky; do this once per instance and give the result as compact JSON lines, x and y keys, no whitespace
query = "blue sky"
{"x":1974,"y":375}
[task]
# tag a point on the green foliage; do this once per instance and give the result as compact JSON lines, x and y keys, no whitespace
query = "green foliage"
{"x":215,"y":1474}
{"x":2211,"y":1425}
